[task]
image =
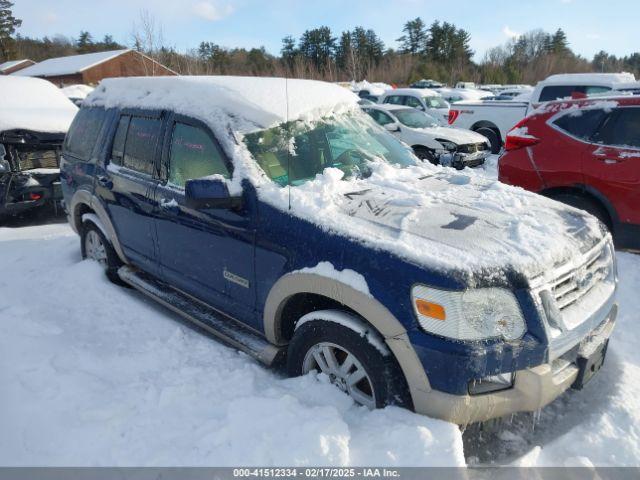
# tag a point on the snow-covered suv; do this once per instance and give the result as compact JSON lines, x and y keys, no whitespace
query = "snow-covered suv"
{"x":281,"y":218}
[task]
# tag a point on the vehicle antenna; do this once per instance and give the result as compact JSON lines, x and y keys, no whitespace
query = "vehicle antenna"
{"x":286,"y":93}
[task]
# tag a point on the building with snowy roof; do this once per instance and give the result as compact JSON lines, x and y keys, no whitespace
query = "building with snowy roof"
{"x":90,"y":68}
{"x":7,"y":68}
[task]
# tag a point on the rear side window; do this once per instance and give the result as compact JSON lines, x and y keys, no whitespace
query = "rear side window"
{"x":194,"y":154}
{"x":140,"y":144}
{"x":556,"y":92}
{"x":117,"y":150}
{"x":581,"y":123}
{"x":394,"y":100}
{"x":622,"y":130}
{"x":84,"y":132}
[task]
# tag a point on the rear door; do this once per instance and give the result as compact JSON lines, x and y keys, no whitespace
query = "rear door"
{"x":612,"y":162}
{"x":208,"y":253}
{"x":128,"y":185}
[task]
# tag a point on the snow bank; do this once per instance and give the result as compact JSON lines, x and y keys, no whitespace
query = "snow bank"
{"x":375,"y":88}
{"x":34,"y":104}
{"x":77,"y":91}
{"x":93,"y":375}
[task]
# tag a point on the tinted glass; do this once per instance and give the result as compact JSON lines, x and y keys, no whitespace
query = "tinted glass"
{"x":84,"y":132}
{"x":140,"y":145}
{"x":435,"y":102}
{"x":380,"y":117}
{"x":193,"y":155}
{"x":415,"y":119}
{"x":117,"y":150}
{"x":581,"y":123}
{"x":413,"y":102}
{"x":555,"y":92}
{"x":394,"y":100}
{"x":623,"y":130}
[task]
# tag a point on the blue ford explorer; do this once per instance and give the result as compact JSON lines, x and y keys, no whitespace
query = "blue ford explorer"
{"x":281,"y":219}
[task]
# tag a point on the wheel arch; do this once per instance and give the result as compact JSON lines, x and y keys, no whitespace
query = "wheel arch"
{"x":587,"y":192}
{"x":279,"y":318}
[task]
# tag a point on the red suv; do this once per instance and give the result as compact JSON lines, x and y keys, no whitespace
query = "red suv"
{"x":585,"y":153}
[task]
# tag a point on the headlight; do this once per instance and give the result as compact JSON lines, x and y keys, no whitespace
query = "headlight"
{"x":475,"y":314}
{"x":449,"y":146}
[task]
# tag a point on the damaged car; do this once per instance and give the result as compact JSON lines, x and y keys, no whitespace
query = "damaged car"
{"x":277,"y":216}
{"x":34,"y":117}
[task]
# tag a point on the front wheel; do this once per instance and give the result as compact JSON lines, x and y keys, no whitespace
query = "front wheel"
{"x":425,"y":154}
{"x":367,"y":373}
{"x":493,"y":136}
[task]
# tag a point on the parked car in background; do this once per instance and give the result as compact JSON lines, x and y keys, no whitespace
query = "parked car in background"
{"x":585,"y":153}
{"x":34,"y":117}
{"x":299,"y":231}
{"x":425,"y":99}
{"x":77,"y":93}
{"x":427,"y":83}
{"x":495,"y":119}
{"x":429,"y":139}
{"x":453,"y":95}
{"x":466,"y":85}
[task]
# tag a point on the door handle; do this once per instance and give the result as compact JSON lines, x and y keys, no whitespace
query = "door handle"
{"x":611,"y":161}
{"x":105,"y":182}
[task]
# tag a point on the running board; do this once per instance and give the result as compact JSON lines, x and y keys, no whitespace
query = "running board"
{"x":228,"y":330}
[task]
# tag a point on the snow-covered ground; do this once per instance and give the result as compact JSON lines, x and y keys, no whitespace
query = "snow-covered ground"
{"x":94,"y":374}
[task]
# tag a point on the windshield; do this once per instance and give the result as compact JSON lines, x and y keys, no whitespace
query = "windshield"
{"x":295,"y":152}
{"x":415,"y":118}
{"x":435,"y":102}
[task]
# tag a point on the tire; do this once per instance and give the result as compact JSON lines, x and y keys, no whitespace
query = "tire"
{"x":493,"y":137}
{"x":95,"y":246}
{"x":584,"y":203}
{"x":425,"y":154}
{"x":383,"y":384}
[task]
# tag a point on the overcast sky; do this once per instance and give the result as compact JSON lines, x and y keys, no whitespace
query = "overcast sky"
{"x":590,"y":25}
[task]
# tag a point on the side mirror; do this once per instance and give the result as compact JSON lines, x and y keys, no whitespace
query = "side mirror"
{"x":3,"y":152}
{"x":4,"y":164}
{"x":206,"y":193}
{"x":392,"y":127}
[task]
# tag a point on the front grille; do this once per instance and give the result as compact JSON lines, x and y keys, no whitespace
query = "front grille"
{"x":38,"y":159}
{"x":472,"y":148}
{"x":570,"y":288}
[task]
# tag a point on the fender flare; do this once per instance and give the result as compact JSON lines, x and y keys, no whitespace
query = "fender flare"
{"x":84,"y":197}
{"x":393,"y":332}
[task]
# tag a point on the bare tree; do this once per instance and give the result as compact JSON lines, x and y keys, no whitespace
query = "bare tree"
{"x":147,"y":38}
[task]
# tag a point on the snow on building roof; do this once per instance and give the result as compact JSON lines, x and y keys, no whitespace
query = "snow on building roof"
{"x":34,"y":104}
{"x":68,"y":65}
{"x":249,"y":103}
{"x":12,"y":63}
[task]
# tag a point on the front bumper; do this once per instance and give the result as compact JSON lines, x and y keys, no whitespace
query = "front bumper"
{"x":533,"y":388}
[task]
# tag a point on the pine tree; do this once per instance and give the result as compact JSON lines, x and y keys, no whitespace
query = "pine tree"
{"x":559,"y":43}
{"x":8,"y":25}
{"x":414,"y":38}
{"x":318,"y":46}
{"x":85,"y":44}
{"x":288,"y":51}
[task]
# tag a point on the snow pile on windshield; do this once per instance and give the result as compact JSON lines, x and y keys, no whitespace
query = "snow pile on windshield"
{"x":111,"y":380}
{"x":34,"y":104}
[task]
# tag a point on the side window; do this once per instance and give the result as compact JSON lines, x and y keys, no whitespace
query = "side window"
{"x":394,"y":100}
{"x":84,"y":132}
{"x":581,"y":123}
{"x":622,"y":130}
{"x":412,"y":102}
{"x":117,"y":150}
{"x":555,"y":92}
{"x":381,"y":118}
{"x":194,"y":155}
{"x":140,"y":144}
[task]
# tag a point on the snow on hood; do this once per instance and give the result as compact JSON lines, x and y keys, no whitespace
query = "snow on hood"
{"x":247,"y":103}
{"x":458,"y":136}
{"x":34,"y":104}
{"x":441,"y":219}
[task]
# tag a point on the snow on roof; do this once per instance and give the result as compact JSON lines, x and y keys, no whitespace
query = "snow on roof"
{"x":595,"y":78}
{"x":77,"y":91}
{"x":464,"y":93}
{"x":249,"y":103}
{"x":12,"y":63}
{"x":34,"y":104}
{"x":68,"y":65}
{"x":418,"y":92}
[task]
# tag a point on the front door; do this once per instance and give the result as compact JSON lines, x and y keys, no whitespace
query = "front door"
{"x":207,"y":253}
